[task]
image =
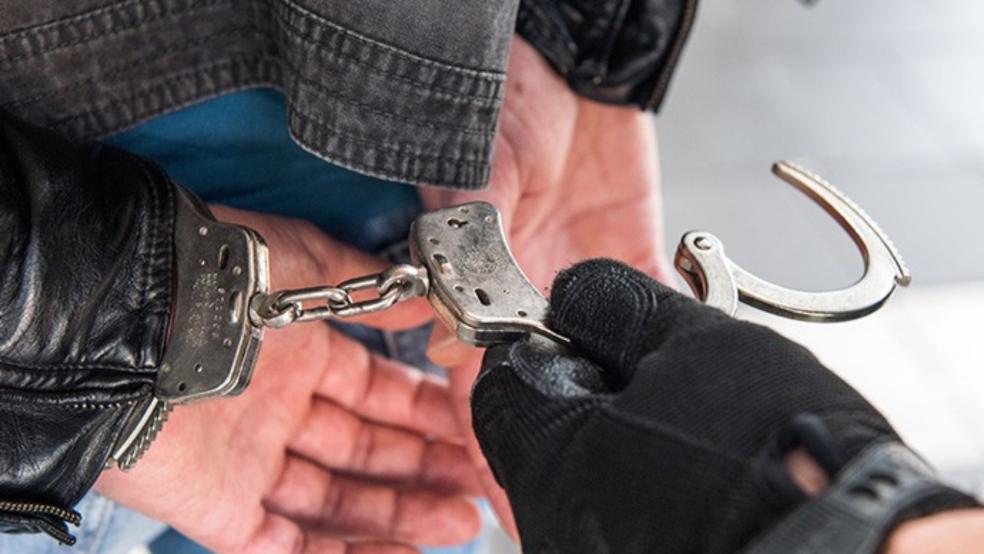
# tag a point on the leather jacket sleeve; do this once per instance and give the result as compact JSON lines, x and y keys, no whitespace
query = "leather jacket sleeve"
{"x":85,"y":295}
{"x":613,"y":51}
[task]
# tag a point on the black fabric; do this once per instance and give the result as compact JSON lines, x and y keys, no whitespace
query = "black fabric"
{"x":667,"y":432}
{"x":86,"y":258}
{"x":614,"y":51}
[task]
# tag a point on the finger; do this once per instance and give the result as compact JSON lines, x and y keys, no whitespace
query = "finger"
{"x":387,"y":391}
{"x":616,"y":315}
{"x":302,"y":256}
{"x":462,"y":377}
{"x":337,"y":438}
{"x":283,"y":536}
{"x":446,"y":350}
{"x":322,"y":500}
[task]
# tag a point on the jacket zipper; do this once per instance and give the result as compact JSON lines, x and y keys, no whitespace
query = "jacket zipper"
{"x":70,"y":516}
{"x":689,"y":14}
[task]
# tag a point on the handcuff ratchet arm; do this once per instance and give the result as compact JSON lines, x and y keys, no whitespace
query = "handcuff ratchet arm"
{"x":720,"y":282}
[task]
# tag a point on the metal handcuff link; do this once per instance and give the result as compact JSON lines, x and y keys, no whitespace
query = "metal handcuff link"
{"x":462,"y":264}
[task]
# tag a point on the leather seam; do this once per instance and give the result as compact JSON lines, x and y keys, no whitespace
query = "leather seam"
{"x":551,"y":35}
{"x":108,"y":366}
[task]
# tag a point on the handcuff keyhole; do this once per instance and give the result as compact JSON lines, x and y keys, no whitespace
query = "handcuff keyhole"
{"x":235,"y":307}
{"x":483,"y":297}
{"x":443,"y":264}
{"x":223,"y":256}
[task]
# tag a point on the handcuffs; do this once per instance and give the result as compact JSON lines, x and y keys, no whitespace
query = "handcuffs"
{"x":463,"y":266}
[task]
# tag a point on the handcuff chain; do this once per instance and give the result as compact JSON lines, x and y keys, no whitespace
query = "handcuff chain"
{"x":394,"y":285}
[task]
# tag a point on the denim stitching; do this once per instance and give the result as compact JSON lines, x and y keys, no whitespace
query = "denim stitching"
{"x":385,"y":147}
{"x":472,"y":179}
{"x":185,"y":74}
{"x":334,"y":50}
{"x":475,"y":73}
{"x":308,"y":45}
{"x":335,"y":95}
{"x":123,"y":68}
{"x":191,"y":73}
{"x":199,"y":95}
{"x":162,"y":206}
{"x":15,"y":60}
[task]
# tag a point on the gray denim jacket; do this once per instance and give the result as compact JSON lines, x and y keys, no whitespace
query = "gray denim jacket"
{"x":407,"y":90}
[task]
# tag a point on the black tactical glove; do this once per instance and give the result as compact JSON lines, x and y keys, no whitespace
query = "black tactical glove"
{"x":668,"y":431}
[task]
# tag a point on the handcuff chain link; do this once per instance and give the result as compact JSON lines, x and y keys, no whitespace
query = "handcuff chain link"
{"x":394,"y":285}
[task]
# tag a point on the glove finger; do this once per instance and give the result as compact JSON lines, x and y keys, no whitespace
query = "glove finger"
{"x":615,"y":314}
{"x":528,"y":402}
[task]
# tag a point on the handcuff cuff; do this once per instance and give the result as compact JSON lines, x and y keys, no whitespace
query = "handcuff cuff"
{"x":462,"y":264}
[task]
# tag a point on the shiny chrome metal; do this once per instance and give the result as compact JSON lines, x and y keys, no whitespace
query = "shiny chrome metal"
{"x":139,"y":432}
{"x":720,"y":282}
{"x":213,"y":344}
{"x":394,"y":285}
{"x":476,"y":287}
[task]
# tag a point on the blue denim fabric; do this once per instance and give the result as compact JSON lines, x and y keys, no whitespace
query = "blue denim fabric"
{"x":236,"y":150}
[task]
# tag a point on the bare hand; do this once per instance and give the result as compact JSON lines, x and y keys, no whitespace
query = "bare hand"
{"x":331,"y":449}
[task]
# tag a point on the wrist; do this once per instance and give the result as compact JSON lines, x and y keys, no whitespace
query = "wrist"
{"x":956,"y":531}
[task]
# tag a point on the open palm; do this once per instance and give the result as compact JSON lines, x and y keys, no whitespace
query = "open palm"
{"x":331,"y":449}
{"x":574,"y":179}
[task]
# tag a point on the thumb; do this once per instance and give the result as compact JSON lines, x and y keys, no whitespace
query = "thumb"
{"x":526,"y":404}
{"x":615,"y":315}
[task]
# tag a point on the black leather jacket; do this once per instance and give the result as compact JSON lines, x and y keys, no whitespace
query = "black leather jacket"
{"x":86,"y":231}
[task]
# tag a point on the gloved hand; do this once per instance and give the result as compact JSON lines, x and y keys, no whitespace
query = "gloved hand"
{"x":667,"y":430}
